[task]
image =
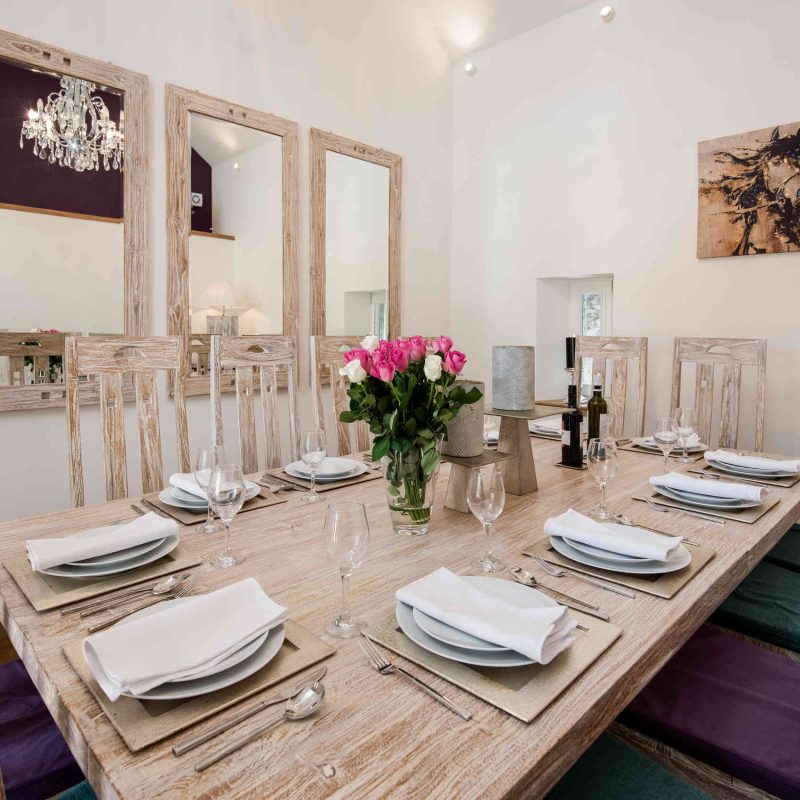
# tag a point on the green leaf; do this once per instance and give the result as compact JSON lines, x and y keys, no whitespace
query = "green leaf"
{"x":473,"y":395}
{"x":380,"y":447}
{"x":409,"y":426}
{"x":348,"y":416}
{"x":430,"y":461}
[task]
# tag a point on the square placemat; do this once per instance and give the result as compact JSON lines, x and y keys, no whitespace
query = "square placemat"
{"x":263,"y":499}
{"x":676,"y":453}
{"x":283,"y":477}
{"x":748,"y":515}
{"x":785,"y":483}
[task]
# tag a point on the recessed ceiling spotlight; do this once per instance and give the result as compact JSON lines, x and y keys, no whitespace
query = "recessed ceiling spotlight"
{"x":470,"y":68}
{"x":607,"y":13}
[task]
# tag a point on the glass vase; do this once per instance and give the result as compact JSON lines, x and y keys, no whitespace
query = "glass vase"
{"x":409,"y":491}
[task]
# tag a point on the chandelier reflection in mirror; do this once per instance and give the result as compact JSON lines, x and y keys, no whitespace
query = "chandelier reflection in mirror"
{"x":74,"y":129}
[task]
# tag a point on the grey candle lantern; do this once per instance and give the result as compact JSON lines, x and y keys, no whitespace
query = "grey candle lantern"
{"x":465,"y":432}
{"x":513,"y":377}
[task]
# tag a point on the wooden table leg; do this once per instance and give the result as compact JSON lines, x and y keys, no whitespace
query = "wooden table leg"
{"x":519,"y":472}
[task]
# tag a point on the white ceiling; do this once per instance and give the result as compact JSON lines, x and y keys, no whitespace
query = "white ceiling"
{"x":468,"y":25}
{"x":217,"y":140}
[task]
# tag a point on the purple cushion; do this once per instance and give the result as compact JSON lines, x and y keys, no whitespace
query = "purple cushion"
{"x":35,"y":761}
{"x":731,"y":704}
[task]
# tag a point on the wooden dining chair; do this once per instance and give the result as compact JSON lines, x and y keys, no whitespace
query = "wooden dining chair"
{"x":731,"y":355}
{"x":611,"y":355}
{"x":271,"y":357}
{"x":38,"y":346}
{"x":326,"y":360}
{"x":110,"y":359}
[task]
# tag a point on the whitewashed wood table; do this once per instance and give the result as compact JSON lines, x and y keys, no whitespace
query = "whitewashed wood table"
{"x":377,"y":736}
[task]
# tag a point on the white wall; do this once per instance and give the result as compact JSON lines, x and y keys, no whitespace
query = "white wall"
{"x":375,"y":72}
{"x":575,"y":153}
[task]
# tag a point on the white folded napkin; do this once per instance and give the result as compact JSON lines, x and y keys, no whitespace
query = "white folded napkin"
{"x":181,"y":640}
{"x":731,"y":491}
{"x":188,"y":482}
{"x":546,"y":424}
{"x":47,"y":553}
{"x":538,"y":633}
{"x":623,"y":539}
{"x":754,"y":462}
{"x":649,"y":441}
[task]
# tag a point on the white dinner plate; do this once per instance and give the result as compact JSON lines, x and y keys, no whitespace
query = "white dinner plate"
{"x":682,"y":558}
{"x":354,"y":469}
{"x":170,"y":498}
{"x":453,"y":636}
{"x":606,"y":555}
{"x":705,"y":500}
{"x":750,"y":472}
{"x":330,"y":468}
{"x":676,"y":451}
{"x":119,"y":555}
{"x":187,"y":497}
{"x":98,"y":570}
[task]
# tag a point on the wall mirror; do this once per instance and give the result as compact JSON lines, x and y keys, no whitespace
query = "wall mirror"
{"x":232,"y":223}
{"x":355,"y":238}
{"x":72,"y":213}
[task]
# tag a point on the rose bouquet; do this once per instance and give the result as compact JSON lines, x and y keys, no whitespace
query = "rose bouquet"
{"x":406,"y":392}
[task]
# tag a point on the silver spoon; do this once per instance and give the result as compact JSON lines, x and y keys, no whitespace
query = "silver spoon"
{"x":529,"y":579}
{"x":698,"y":514}
{"x":625,"y":520}
{"x":165,"y":586}
{"x":123,"y":597}
{"x":299,"y":707}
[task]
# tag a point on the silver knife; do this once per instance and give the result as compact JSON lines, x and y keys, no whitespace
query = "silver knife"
{"x":190,"y":744}
{"x":738,"y":479}
{"x":576,"y":607}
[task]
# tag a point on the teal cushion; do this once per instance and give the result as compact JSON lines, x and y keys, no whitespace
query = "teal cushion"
{"x":766,"y":606}
{"x":80,"y":792}
{"x":612,"y":770}
{"x":786,"y":553}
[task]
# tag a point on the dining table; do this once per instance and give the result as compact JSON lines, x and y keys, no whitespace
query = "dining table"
{"x":375,"y":736}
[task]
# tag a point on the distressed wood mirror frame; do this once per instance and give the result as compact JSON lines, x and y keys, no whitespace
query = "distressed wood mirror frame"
{"x":134,"y":86}
{"x":321,"y":143}
{"x":180,"y":103}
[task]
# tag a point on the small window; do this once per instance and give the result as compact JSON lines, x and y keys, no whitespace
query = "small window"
{"x":591,"y":301}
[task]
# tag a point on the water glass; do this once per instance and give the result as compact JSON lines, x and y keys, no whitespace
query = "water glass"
{"x":313,"y":452}
{"x":226,"y":490}
{"x":488,"y":427}
{"x":603,"y":462}
{"x":204,"y":460}
{"x":486,"y":497}
{"x":346,"y":542}
{"x":666,"y":438}
{"x":684,"y":422}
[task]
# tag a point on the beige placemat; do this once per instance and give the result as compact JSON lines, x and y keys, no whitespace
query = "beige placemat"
{"x":785,"y":483}
{"x":262,"y":500}
{"x":280,"y":475}
{"x":523,"y":692}
{"x":675,"y":454}
{"x":45,"y":592}
{"x":666,"y":585}
{"x":141,"y":723}
{"x":748,"y":515}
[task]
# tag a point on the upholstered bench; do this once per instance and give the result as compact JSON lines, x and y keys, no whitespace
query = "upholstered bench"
{"x":786,"y":553}
{"x":730,"y":704}
{"x":83,"y":791}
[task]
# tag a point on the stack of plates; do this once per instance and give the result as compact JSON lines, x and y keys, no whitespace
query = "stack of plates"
{"x":707,"y":501}
{"x":449,"y":642}
{"x":236,"y":667}
{"x":617,"y":562}
{"x":546,"y":426}
{"x":330,"y":470}
{"x":677,"y":451}
{"x":111,"y":563}
{"x":177,"y":498}
{"x":750,"y":472}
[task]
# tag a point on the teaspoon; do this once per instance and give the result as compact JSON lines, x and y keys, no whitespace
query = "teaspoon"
{"x":526,"y":578}
{"x":165,"y":586}
{"x":627,"y":521}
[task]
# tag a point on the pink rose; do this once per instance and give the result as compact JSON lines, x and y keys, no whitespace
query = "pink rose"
{"x":384,"y":348}
{"x":418,"y":348}
{"x":398,"y":356}
{"x":454,"y":362}
{"x":442,"y":344}
{"x":382,"y":369}
{"x":361,"y":355}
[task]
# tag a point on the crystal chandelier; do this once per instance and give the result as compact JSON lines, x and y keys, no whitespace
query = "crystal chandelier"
{"x":74,"y":129}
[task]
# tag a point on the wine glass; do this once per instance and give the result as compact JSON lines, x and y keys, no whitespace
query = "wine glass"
{"x":665,"y":437}
{"x":486,"y":497}
{"x":204,"y":460}
{"x":488,"y":427}
{"x":603,"y":461}
{"x":346,"y":542}
{"x":226,"y":489}
{"x":684,"y":423}
{"x":313,"y":453}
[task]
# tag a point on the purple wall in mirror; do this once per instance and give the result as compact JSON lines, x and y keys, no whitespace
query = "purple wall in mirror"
{"x":27,"y":180}
{"x":201,"y":182}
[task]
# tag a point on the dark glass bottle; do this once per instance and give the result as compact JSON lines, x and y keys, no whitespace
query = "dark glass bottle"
{"x":596,"y":406}
{"x":572,"y":431}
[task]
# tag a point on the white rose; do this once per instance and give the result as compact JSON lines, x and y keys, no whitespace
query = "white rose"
{"x":353,"y":371}
{"x":370,"y":343}
{"x":433,"y":367}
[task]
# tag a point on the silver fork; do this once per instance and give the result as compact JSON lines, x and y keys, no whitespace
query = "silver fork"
{"x":182,"y":592}
{"x":558,"y":572}
{"x":667,"y":509}
{"x":379,"y":663}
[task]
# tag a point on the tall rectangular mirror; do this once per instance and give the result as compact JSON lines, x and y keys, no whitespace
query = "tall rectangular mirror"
{"x":355,"y":238}
{"x":72,"y":213}
{"x":232,"y":217}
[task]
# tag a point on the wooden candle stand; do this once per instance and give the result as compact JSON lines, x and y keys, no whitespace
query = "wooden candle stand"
{"x":456,"y":498}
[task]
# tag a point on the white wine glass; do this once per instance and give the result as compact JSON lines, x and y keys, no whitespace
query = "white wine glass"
{"x":684,"y":422}
{"x":346,"y":542}
{"x":665,"y":437}
{"x":603,"y":462}
{"x":204,"y":460}
{"x":313,"y":452}
{"x":226,"y":490}
{"x":486,"y":497}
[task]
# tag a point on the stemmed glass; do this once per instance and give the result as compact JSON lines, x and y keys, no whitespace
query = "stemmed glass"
{"x":206,"y":458}
{"x":603,"y":461}
{"x":346,"y":541}
{"x":665,"y":437}
{"x":226,"y":489}
{"x":684,"y":423}
{"x":486,"y":497}
{"x":313,"y":453}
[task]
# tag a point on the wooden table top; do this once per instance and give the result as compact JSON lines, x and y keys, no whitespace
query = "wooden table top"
{"x":376,"y":736}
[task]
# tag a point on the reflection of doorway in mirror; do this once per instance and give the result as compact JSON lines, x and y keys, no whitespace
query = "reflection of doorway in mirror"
{"x":357,"y":246}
